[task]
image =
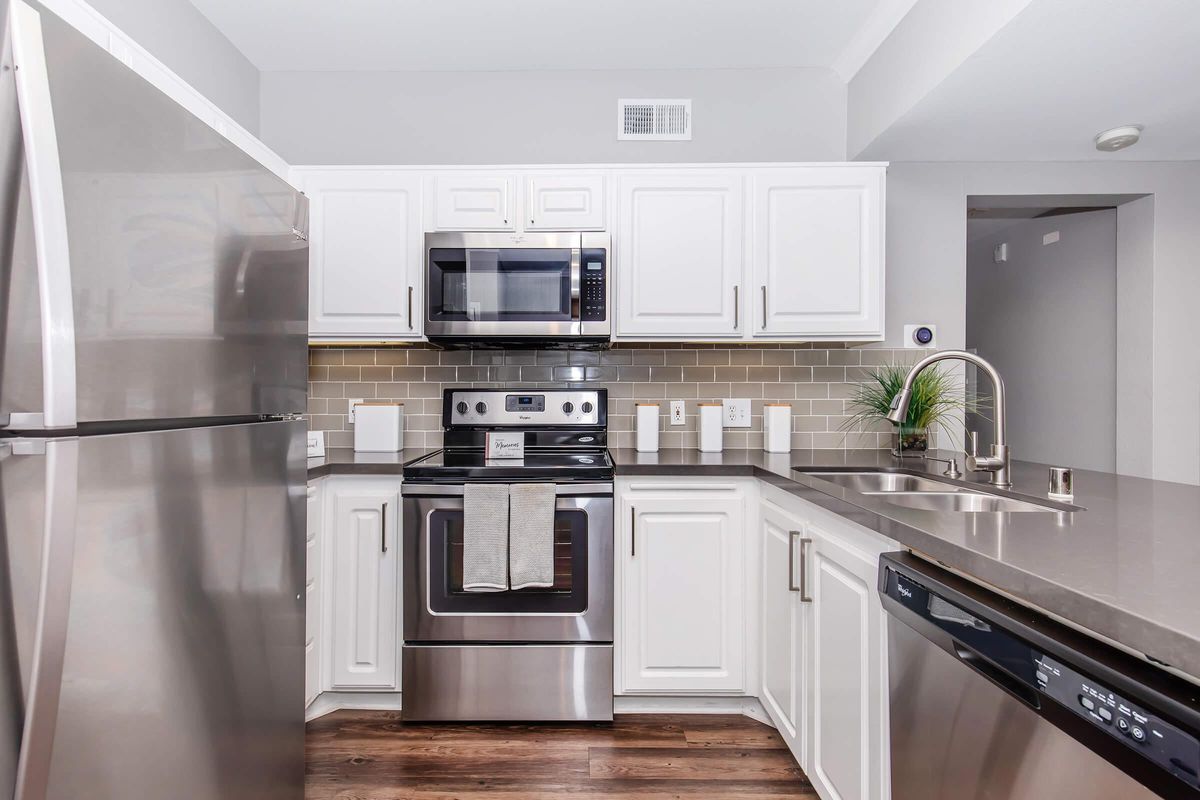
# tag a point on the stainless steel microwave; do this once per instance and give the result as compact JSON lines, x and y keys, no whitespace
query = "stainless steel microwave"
{"x":517,"y":289}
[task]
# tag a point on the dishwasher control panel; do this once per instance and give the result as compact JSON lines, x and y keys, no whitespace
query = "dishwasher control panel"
{"x":1172,"y":749}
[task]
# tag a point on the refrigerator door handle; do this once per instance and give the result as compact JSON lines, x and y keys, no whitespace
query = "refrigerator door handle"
{"x":49,"y":225}
{"x":50,"y":635}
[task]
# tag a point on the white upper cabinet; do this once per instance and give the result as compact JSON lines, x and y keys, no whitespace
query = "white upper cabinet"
{"x":818,"y":252}
{"x":680,"y":254}
{"x":365,"y":253}
{"x":570,"y":202}
{"x":473,"y":201}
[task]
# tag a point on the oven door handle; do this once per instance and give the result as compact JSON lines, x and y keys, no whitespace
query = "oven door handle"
{"x":457,"y":490}
{"x":577,"y":289}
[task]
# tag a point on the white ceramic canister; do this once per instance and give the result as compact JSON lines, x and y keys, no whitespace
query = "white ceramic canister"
{"x":711,"y":432}
{"x":647,"y":427}
{"x":777,"y":427}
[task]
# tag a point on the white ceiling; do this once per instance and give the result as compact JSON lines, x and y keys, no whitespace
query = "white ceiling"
{"x":1055,"y":76}
{"x":283,"y":35}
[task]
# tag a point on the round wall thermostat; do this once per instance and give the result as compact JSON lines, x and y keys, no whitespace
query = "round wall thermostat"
{"x":923,"y":335}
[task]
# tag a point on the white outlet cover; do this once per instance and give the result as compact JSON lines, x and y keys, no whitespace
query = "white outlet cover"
{"x":735,"y":413}
{"x":354,"y":401}
{"x":677,"y":412}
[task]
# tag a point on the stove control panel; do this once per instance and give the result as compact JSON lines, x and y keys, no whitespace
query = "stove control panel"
{"x":525,"y":408}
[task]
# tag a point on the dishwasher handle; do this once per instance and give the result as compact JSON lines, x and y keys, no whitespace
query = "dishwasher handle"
{"x":1000,"y":677}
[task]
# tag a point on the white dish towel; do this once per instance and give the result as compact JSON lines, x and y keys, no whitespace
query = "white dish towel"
{"x":531,"y":535}
{"x":485,"y":537}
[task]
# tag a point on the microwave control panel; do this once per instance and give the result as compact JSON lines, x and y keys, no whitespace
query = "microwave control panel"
{"x":594,"y":289}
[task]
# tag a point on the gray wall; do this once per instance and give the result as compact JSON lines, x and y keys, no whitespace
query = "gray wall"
{"x":547,"y":116}
{"x":926,"y":281}
{"x":1047,"y":318}
{"x":178,"y":35}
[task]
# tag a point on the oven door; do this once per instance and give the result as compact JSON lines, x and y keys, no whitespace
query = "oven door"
{"x":503,"y":285}
{"x":577,"y":608}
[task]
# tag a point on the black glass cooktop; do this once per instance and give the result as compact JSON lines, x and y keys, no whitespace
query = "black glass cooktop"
{"x":470,"y":465}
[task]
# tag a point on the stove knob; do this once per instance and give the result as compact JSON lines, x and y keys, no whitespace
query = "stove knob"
{"x":481,"y":407}
{"x":461,"y":407}
{"x":568,"y":408}
{"x":587,"y":408}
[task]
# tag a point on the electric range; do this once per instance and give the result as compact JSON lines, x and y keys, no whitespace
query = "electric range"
{"x":530,"y":654}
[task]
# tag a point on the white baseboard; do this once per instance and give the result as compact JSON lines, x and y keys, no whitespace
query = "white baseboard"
{"x":328,"y":702}
{"x":658,"y":704}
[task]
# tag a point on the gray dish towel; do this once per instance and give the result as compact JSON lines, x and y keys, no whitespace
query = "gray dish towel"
{"x":485,"y":537}
{"x":531,"y":535}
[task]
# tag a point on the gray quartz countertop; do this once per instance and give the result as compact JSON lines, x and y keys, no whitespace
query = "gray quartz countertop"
{"x":1123,"y":566}
{"x":345,"y":461}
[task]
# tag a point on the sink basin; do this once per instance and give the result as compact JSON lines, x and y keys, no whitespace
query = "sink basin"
{"x":927,"y":493}
{"x":871,"y":482}
{"x":964,"y":501}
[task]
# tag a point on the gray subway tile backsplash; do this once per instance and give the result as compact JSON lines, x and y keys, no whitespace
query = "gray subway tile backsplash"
{"x":814,"y":379}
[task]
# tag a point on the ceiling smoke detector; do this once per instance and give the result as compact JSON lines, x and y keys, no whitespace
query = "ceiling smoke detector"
{"x":1114,"y":139}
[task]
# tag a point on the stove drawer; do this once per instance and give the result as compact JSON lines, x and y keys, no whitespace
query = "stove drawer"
{"x":536,"y":683}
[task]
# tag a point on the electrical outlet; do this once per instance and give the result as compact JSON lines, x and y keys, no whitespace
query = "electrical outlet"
{"x":676,"y":412}
{"x":735,"y":413}
{"x":354,"y":401}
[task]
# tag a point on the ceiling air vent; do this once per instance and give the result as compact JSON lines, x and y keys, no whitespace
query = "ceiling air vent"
{"x":654,"y":120}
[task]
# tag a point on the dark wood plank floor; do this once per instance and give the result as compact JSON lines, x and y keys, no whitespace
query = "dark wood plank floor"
{"x":361,"y":755}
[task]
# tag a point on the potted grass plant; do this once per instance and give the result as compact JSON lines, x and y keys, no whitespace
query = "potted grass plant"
{"x":937,"y":399}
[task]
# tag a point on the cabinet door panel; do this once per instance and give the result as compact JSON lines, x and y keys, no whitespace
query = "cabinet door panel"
{"x":782,"y":627}
{"x":564,"y":202}
{"x":680,"y":255}
{"x":473,"y":202}
{"x":365,"y":254}
{"x":845,"y":672}
{"x":682,"y":593}
{"x":818,"y":252}
{"x":312,"y":597}
{"x":365,"y":588}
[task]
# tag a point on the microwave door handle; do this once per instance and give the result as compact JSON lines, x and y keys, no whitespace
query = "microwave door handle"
{"x":49,"y":213}
{"x":576,"y":288}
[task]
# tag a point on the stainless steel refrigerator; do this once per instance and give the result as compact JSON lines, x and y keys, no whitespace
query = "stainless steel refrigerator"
{"x":153,"y":360}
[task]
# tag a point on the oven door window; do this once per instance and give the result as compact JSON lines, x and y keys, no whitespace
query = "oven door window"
{"x":568,"y":595}
{"x":502,"y":285}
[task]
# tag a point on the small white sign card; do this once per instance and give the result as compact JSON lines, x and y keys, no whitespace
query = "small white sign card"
{"x":316,"y":444}
{"x":506,"y":446}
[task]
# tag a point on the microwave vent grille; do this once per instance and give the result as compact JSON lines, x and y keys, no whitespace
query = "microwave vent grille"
{"x":654,"y":120}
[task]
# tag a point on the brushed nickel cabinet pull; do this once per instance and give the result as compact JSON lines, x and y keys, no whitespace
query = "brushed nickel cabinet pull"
{"x":632,"y":531}
{"x":792,"y":537}
{"x":764,"y":295}
{"x":804,"y":597}
{"x":383,"y":529}
{"x":735,"y":308}
{"x":410,"y":317}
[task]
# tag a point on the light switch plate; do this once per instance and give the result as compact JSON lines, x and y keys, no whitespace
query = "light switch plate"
{"x":735,"y":413}
{"x":354,"y":401}
{"x":677,"y":412}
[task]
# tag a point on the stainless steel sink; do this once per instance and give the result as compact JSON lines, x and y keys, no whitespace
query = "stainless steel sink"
{"x":928,"y":493}
{"x":869,"y":482}
{"x":965,"y":501}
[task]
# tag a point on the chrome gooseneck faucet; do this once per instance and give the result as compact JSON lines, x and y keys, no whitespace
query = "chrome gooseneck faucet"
{"x":998,"y":462}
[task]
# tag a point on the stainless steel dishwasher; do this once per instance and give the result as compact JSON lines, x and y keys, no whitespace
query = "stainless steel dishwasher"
{"x":990,"y":699}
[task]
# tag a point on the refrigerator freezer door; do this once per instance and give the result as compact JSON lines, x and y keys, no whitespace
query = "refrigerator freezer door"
{"x":183,"y":664}
{"x":188,"y":259}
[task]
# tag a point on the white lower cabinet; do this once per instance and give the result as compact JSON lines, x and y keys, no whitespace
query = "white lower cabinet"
{"x":363,"y":517}
{"x":784,"y":616}
{"x":681,"y":590}
{"x":824,"y":668}
{"x":846,"y":671}
{"x":313,"y":587}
